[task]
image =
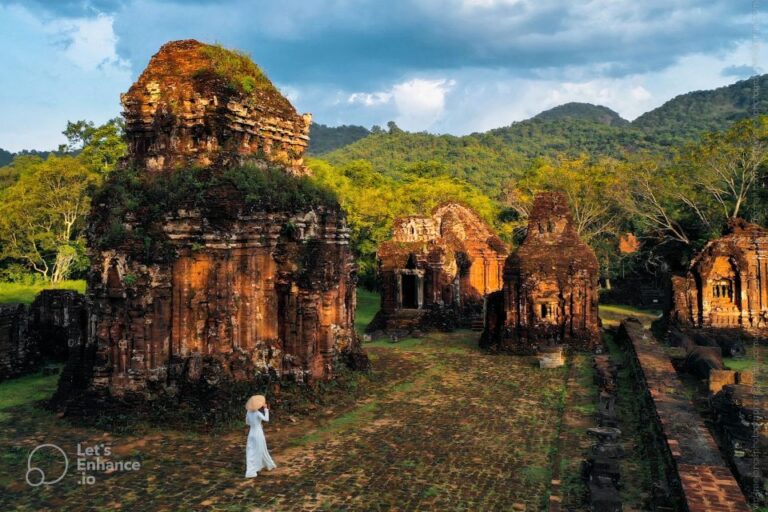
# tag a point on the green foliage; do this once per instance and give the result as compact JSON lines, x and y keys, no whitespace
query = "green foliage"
{"x":372,"y":201}
{"x":20,"y":165}
{"x":274,"y":190}
{"x":323,"y":139}
{"x":6,"y":157}
{"x":585,"y":111}
{"x":25,"y":290}
{"x":42,"y":215}
{"x":368,"y":304}
{"x":689,"y":115}
{"x":237,"y":68}
{"x":104,"y":146}
{"x":465,"y":158}
{"x":131,"y":194}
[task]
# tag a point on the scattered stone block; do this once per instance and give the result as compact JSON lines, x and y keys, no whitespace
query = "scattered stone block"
{"x":551,"y":357}
{"x":720,"y":378}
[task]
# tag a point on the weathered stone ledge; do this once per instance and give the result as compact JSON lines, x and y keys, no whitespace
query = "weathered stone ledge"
{"x":690,"y":451}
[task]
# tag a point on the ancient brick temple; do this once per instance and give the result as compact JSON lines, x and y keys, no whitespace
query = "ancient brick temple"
{"x":436,"y":270}
{"x":198,"y":105}
{"x":726,"y":286}
{"x":550,"y":292}
{"x":215,"y":286}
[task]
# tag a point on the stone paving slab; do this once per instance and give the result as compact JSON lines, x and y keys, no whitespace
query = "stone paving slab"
{"x":442,"y":427}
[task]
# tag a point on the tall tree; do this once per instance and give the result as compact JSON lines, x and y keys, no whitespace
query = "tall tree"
{"x":42,"y":216}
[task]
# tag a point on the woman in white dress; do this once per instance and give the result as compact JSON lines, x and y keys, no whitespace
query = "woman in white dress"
{"x":256,"y":453}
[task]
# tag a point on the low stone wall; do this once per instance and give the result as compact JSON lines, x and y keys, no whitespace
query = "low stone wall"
{"x":17,"y":354}
{"x":43,"y":331}
{"x":703,"y":478}
{"x":57,"y":322}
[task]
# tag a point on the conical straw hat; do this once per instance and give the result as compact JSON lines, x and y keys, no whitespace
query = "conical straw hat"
{"x":255,"y":403}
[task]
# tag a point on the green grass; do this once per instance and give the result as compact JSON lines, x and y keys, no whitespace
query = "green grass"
{"x":613,"y":314}
{"x":354,"y":417}
{"x":533,"y":475}
{"x":367,"y":306}
{"x":26,"y":391}
{"x":238,"y":68}
{"x":404,"y":344}
{"x":753,"y":360}
{"x":25,"y":293}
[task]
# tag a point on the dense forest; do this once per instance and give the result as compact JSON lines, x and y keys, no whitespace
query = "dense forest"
{"x":324,"y":139}
{"x":646,"y":195}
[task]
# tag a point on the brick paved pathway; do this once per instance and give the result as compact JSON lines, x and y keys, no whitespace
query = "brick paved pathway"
{"x":443,"y":427}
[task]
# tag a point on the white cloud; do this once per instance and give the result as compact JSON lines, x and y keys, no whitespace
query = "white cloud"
{"x":54,"y":72}
{"x":420,"y":102}
{"x":89,"y":42}
{"x":370,"y":99}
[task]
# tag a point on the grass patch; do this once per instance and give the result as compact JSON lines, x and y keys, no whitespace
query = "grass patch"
{"x":238,"y":68}
{"x":613,"y":314}
{"x":25,"y":293}
{"x":739,"y":365}
{"x":368,"y":303}
{"x":404,"y":344}
{"x":27,"y":390}
{"x":351,"y":418}
{"x":586,"y":409}
{"x":753,"y":360}
{"x":535,"y":475}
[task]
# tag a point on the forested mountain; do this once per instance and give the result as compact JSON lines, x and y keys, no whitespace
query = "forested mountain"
{"x":688,"y":115}
{"x":6,"y":157}
{"x":585,"y":111}
{"x":570,"y":129}
{"x":323,"y":139}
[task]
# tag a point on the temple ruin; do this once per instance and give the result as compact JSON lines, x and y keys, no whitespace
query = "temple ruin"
{"x":195,"y":279}
{"x":725,"y":286}
{"x":550,"y":292}
{"x":436,"y":270}
{"x":200,"y":105}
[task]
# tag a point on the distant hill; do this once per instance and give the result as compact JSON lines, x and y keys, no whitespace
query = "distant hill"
{"x":583,"y":111}
{"x":486,"y":159}
{"x":688,"y":115}
{"x":7,"y":157}
{"x":323,"y":139}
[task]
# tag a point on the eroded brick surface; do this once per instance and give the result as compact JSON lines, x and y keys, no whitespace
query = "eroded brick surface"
{"x":441,"y":426}
{"x":706,"y":481}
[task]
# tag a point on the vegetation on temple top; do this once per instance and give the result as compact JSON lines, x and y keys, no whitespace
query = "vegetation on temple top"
{"x":133,"y":194}
{"x":237,"y":68}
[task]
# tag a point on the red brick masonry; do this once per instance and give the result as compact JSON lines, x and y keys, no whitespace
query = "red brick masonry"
{"x":707,"y":482}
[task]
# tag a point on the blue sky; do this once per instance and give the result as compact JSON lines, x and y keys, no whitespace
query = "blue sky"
{"x":445,"y":66}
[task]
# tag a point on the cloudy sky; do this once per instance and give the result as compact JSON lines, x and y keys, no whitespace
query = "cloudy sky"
{"x":445,"y":66}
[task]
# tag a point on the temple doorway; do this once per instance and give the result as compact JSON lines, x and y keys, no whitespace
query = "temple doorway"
{"x":410,"y":292}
